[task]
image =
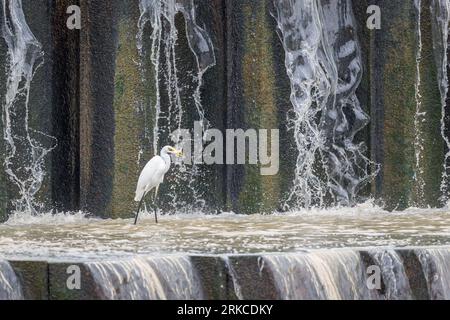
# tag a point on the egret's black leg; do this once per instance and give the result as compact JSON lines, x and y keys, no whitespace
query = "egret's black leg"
{"x":155,"y":204}
{"x":139,"y":208}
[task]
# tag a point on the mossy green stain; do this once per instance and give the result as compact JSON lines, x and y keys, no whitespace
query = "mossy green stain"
{"x":129,"y":123}
{"x":260,"y":194}
{"x":399,"y":109}
{"x":432,"y":154}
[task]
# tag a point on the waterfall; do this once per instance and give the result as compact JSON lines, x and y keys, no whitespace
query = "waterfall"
{"x":164,"y":35}
{"x":323,"y":62}
{"x":396,"y":284}
{"x":436,"y":267}
{"x":440,"y":10}
{"x":147,"y":278}
{"x":321,"y":275}
{"x":25,"y":150}
{"x":234,"y":278}
{"x":419,"y":116}
{"x":337,"y":275}
{"x":10,"y":288}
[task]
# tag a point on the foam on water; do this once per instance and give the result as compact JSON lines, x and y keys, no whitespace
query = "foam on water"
{"x":76,"y":236}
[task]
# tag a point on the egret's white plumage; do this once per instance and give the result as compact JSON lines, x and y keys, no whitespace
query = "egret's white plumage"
{"x":153,"y":174}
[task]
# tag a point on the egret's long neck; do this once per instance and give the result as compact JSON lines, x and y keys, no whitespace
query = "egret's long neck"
{"x":166,"y":157}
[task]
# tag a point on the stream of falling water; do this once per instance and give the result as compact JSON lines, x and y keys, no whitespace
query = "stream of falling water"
{"x":436,"y":268}
{"x":10,"y":288}
{"x":440,"y":11}
{"x":419,"y":116}
{"x":25,"y":156}
{"x":152,"y":278}
{"x":164,"y":35}
{"x":323,"y":62}
{"x":319,"y":275}
{"x":337,"y":275}
{"x":396,"y":283}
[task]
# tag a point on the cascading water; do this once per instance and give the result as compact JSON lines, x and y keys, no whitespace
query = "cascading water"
{"x":25,"y":155}
{"x":164,"y":35}
{"x":440,"y":10}
{"x":436,"y":268}
{"x":234,"y":278}
{"x":323,"y":62}
{"x":419,"y":116}
{"x":10,"y":287}
{"x":338,"y":274}
{"x":393,"y":273}
{"x":152,"y":278}
{"x":319,"y":275}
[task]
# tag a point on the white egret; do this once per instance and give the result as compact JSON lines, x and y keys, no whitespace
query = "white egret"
{"x":153,"y":175}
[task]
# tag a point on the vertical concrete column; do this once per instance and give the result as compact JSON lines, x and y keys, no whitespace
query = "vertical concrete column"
{"x":258,"y":98}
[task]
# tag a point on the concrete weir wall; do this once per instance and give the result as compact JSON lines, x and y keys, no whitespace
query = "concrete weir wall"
{"x":405,"y":274}
{"x":403,"y":77}
{"x":53,"y":107}
{"x":95,"y":93}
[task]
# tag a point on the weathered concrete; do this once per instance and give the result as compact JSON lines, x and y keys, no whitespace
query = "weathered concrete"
{"x":33,"y":276}
{"x":98,"y":46}
{"x":66,"y":109}
{"x":57,"y":283}
{"x":252,"y":281}
{"x":415,"y":274}
{"x":129,"y":113}
{"x":213,"y":276}
{"x":393,"y":78}
{"x":258,"y":98}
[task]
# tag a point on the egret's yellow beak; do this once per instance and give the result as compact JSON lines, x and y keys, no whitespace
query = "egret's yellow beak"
{"x":178,"y":153}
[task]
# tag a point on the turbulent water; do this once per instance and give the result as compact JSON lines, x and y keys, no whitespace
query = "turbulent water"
{"x":151,"y":278}
{"x":26,"y":148}
{"x":10,"y":287}
{"x":66,"y":237}
{"x":163,"y":54}
{"x":319,"y":254}
{"x":323,"y":62}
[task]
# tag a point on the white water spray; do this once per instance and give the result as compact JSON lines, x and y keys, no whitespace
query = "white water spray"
{"x":323,"y":62}
{"x":164,"y":35}
{"x":25,"y":155}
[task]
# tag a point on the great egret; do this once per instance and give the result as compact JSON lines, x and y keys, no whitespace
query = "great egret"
{"x":153,"y":175}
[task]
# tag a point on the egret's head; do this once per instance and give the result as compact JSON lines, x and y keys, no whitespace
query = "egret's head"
{"x":172,"y":150}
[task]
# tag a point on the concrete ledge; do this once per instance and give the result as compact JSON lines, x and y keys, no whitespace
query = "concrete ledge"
{"x":33,"y":276}
{"x":58,"y":289}
{"x":221,"y":277}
